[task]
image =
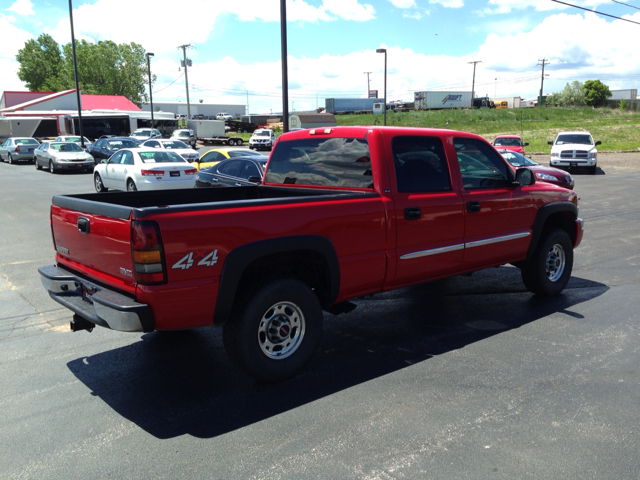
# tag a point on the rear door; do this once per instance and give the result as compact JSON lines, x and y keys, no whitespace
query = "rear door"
{"x":428,"y":211}
{"x":498,"y":214}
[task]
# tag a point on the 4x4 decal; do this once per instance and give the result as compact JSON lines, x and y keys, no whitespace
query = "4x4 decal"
{"x":186,"y":262}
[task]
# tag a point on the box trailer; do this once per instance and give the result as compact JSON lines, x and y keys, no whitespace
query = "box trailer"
{"x":628,"y":94}
{"x":441,"y":100}
{"x":212,"y":132}
{"x":37,"y":127}
{"x":343,"y":106}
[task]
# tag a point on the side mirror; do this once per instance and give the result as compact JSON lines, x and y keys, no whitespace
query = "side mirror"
{"x":255,"y":179}
{"x":525,"y":177}
{"x":598,"y":143}
{"x":105,"y":160}
{"x":526,"y":144}
{"x":550,"y":143}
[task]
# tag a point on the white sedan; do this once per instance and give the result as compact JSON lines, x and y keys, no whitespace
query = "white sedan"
{"x":144,"y":169}
{"x":181,"y":148}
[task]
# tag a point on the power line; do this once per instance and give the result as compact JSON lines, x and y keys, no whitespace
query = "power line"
{"x":625,"y":4}
{"x":593,"y":11}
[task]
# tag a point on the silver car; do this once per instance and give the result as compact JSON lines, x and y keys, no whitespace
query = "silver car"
{"x":57,"y":156}
{"x":18,"y":149}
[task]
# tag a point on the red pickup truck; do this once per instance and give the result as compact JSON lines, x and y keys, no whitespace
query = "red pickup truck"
{"x":342,"y":212}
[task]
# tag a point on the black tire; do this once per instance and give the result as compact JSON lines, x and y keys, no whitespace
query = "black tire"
{"x":274,"y":330}
{"x":52,"y":167}
{"x":97,"y":182}
{"x":10,"y":160}
{"x":131,"y":186}
{"x":231,"y":143}
{"x":549,"y":270}
{"x":38,"y":166}
{"x":592,"y":170}
{"x":239,"y":142}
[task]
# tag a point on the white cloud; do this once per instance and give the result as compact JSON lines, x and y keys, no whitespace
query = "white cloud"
{"x":403,"y":3}
{"x":414,"y":15}
{"x":22,"y":7}
{"x":448,"y":3}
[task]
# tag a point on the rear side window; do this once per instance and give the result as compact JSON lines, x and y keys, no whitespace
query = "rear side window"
{"x":421,"y":164}
{"x":331,"y":162}
{"x":480,"y":165}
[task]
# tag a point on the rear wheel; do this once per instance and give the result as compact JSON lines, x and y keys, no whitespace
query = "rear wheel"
{"x":549,"y":270}
{"x":97,"y":182}
{"x":131,"y":186}
{"x":275,"y":330}
{"x":10,"y":159}
{"x":230,"y":142}
{"x":239,"y":142}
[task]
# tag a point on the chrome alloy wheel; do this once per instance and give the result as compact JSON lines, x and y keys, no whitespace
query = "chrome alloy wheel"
{"x":281,"y":330}
{"x":555,"y":262}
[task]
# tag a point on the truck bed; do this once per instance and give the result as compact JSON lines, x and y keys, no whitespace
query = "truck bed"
{"x":127,"y":205}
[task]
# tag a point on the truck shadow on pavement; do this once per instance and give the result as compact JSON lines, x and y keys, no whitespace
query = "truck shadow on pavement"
{"x":176,"y":383}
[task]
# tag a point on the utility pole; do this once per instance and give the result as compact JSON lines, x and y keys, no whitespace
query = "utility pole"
{"x":285,"y":68}
{"x":186,"y":62}
{"x":544,"y":62}
{"x":368,"y":84}
{"x":473,"y":84}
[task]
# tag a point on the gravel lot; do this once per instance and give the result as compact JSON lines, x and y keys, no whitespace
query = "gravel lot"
{"x":624,"y":160}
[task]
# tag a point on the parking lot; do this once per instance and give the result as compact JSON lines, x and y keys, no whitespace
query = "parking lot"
{"x":469,"y":377}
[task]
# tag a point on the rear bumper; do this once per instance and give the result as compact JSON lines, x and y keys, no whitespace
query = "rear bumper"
{"x":102,"y":307}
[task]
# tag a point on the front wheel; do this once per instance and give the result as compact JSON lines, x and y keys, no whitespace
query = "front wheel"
{"x":592,"y":170}
{"x":275,"y":330}
{"x":52,"y":167}
{"x":548,"y":271}
{"x":97,"y":182}
{"x":37,"y":164}
{"x":239,"y":142}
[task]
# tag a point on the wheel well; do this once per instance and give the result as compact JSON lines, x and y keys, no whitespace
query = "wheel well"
{"x":308,"y":266}
{"x":562,"y":220}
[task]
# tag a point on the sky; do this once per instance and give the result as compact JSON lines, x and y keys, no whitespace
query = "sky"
{"x":235,"y":45}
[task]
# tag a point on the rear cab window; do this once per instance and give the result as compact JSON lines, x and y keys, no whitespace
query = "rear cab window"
{"x":327,"y":162}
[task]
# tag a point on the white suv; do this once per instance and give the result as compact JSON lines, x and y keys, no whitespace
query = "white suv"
{"x":224,"y":116}
{"x":262,"y":138}
{"x":184,"y":135}
{"x":574,"y":149}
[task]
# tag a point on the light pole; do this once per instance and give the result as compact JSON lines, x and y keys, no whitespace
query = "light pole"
{"x":495,"y":91}
{"x":384,"y":50}
{"x":75,"y":74}
{"x":149,"y":54}
{"x":283,"y":58}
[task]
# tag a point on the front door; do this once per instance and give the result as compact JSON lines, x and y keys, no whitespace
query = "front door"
{"x":498,"y":214}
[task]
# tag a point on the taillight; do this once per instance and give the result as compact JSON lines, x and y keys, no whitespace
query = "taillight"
{"x":156,"y":173}
{"x":51,"y":226}
{"x":17,"y":149}
{"x":190,"y":172}
{"x":148,"y":256}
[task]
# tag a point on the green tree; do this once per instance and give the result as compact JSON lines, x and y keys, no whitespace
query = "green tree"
{"x":572,"y":95}
{"x":622,"y":104}
{"x":40,"y":64}
{"x":596,"y":93}
{"x":104,"y":68}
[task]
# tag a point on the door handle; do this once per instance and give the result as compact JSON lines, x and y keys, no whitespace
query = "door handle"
{"x":83,"y":225}
{"x":412,"y":213}
{"x":473,"y":207}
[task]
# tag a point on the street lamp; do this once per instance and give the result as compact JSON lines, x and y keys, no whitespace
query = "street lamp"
{"x":149,"y":54}
{"x":384,"y":50}
{"x":75,"y":74}
{"x":495,"y":91}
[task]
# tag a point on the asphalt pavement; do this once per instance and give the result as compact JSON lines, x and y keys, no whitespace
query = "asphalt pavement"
{"x":468,"y":377}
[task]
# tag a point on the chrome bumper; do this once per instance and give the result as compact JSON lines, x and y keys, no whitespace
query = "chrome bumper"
{"x":94,"y":303}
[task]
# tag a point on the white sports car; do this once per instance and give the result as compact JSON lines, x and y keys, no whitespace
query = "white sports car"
{"x":181,"y":148}
{"x":144,"y":169}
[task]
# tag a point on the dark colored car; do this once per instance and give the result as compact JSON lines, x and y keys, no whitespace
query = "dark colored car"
{"x":105,"y":147}
{"x":542,"y":173}
{"x":233,"y":172}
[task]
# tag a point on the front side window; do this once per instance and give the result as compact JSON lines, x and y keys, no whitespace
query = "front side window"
{"x":231,"y":168}
{"x":212,"y":157}
{"x":421,"y":164}
{"x":480,"y":165}
{"x":116,"y":157}
{"x":333,"y":162}
{"x":249,"y":169}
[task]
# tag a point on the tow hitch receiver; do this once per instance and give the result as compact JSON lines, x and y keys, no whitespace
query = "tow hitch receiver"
{"x":78,"y":323}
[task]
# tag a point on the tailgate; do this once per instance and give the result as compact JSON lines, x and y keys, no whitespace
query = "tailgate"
{"x":93,"y":244}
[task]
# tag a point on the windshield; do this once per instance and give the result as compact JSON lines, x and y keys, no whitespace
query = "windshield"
{"x":508,"y":142}
{"x":173,"y":144}
{"x":334,"y":162}
{"x":183,"y":134}
{"x":26,"y":141}
{"x":518,"y":160}
{"x":161,"y":157}
{"x":242,"y":153}
{"x":575,"y":139}
{"x":142,"y":133}
{"x":118,"y":144}
{"x":66,"y":147}
{"x":263,"y":133}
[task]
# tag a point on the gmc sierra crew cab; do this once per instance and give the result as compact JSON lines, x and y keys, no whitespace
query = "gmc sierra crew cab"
{"x":342,"y":212}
